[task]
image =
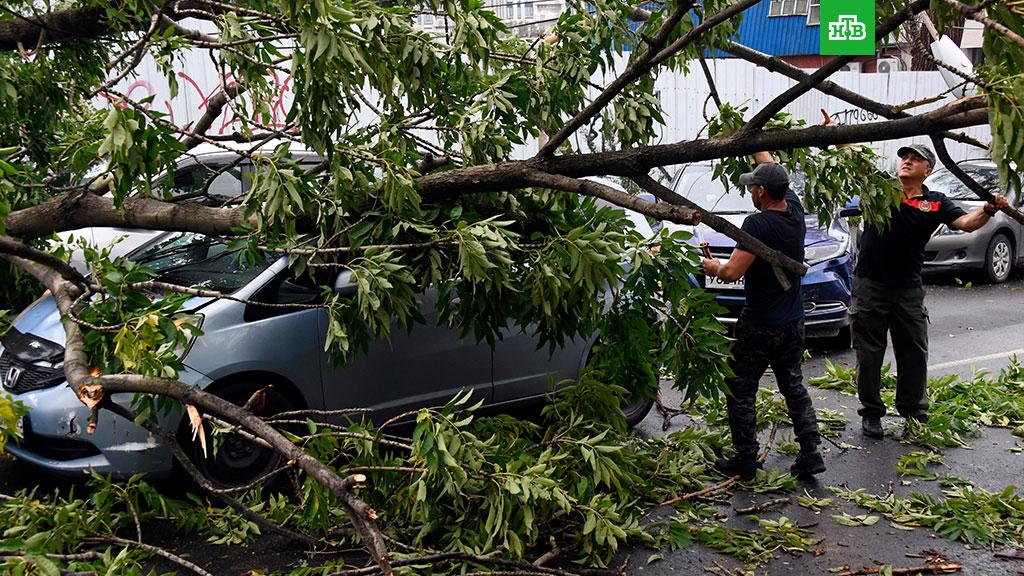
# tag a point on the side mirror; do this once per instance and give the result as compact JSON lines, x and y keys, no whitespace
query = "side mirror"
{"x":344,"y":285}
{"x":849,"y":212}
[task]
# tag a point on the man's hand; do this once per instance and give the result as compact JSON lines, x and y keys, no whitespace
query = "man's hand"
{"x":711,"y":266}
{"x":999,"y":203}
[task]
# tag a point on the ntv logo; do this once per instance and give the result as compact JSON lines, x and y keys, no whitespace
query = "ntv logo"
{"x":847,"y":28}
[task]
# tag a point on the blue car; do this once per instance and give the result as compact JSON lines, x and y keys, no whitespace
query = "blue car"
{"x":828,"y":284}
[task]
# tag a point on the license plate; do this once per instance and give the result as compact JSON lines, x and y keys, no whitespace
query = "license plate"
{"x":716,"y":283}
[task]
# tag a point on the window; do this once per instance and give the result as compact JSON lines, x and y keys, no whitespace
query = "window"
{"x":788,"y":7}
{"x":191,"y":259}
{"x":510,"y":11}
{"x":426,"y":19}
{"x":945,"y":182}
{"x":189,"y":182}
{"x":528,"y":10}
{"x":814,"y":13}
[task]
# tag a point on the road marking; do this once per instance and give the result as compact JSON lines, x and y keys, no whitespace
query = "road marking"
{"x":1018,"y":352}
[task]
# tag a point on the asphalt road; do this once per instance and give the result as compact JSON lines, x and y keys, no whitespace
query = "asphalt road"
{"x":972,"y":328}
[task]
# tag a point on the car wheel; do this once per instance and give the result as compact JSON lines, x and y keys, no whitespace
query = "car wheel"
{"x":635,"y":412}
{"x":237,"y":461}
{"x":999,"y":259}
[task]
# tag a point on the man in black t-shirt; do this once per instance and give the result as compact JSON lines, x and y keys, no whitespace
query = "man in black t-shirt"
{"x":770,"y":330}
{"x":888,"y":295}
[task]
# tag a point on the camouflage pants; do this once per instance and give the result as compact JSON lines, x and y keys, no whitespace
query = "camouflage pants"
{"x":755,"y":349}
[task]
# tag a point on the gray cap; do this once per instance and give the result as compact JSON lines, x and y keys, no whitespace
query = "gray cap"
{"x":768,"y":174}
{"x":919,"y":149}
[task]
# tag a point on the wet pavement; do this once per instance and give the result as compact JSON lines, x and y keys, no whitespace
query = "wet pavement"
{"x":975,"y":328}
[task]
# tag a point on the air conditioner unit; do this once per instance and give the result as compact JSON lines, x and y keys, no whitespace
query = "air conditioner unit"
{"x":851,"y":67}
{"x":889,"y":65}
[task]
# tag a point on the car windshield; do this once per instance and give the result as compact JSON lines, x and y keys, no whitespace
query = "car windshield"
{"x":697,"y":185}
{"x":947,"y":183}
{"x":190,"y":259}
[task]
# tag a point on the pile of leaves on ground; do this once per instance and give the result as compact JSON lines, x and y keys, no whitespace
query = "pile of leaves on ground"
{"x":959,"y":407}
{"x":461,"y":493}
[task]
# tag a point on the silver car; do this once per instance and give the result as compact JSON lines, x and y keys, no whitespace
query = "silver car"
{"x":995,"y":249}
{"x":245,"y":347}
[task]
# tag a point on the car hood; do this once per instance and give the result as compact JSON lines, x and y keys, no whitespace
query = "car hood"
{"x":120,"y":241}
{"x":815,"y":233}
{"x":42,"y":318}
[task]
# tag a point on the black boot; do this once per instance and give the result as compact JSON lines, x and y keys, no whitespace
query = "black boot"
{"x":807,"y":464}
{"x":872,"y":427}
{"x":744,"y":467}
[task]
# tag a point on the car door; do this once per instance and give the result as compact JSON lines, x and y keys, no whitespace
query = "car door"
{"x":522,"y":370}
{"x":425,"y":366}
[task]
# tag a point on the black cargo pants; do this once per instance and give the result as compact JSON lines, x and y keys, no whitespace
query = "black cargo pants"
{"x":755,"y":349}
{"x":878,"y":309}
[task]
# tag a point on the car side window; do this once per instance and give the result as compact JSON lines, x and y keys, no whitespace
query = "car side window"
{"x":189,"y":183}
{"x":285,"y":288}
{"x":948,"y":184}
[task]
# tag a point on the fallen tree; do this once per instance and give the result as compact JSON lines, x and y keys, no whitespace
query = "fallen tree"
{"x":426,"y":193}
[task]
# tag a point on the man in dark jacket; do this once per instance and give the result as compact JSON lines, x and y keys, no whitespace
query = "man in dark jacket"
{"x":888,"y":295}
{"x":770,"y":330}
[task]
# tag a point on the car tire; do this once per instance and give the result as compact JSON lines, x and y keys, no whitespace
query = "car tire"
{"x":635,"y":412}
{"x":999,"y":258}
{"x":237,"y":461}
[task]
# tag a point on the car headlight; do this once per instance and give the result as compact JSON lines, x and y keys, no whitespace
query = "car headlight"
{"x":944,"y":230}
{"x":820,"y":253}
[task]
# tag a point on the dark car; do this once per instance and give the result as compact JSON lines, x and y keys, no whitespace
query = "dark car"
{"x":828,"y":283}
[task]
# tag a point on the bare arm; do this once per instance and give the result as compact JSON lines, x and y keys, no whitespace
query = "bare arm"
{"x":732,"y":269}
{"x":974,"y":220}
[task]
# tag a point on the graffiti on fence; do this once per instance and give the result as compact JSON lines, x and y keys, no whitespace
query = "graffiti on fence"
{"x":193,"y":99}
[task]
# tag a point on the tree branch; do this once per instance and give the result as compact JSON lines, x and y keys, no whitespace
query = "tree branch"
{"x":635,"y":70}
{"x":94,"y":391}
{"x":981,"y":191}
{"x":65,"y":25}
{"x":505,"y":176}
{"x":975,"y":13}
{"x":783,"y":265}
{"x":14,"y":247}
{"x":76,"y":210}
{"x":672,"y":213}
{"x":781,"y":101}
{"x":775,"y":64}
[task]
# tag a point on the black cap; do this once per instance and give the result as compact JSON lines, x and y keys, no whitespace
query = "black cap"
{"x":771,"y":175}
{"x":919,"y":149}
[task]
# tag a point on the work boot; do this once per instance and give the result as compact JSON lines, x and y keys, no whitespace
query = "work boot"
{"x":744,"y":467}
{"x":920,"y":419}
{"x":872,"y":427}
{"x":807,"y":464}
